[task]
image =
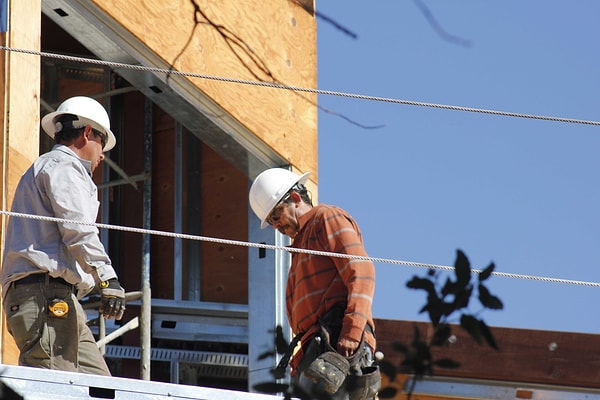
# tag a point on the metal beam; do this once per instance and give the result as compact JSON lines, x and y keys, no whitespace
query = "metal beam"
{"x":44,"y":384}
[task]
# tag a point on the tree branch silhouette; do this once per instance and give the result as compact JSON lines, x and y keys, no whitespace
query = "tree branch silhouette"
{"x":438,"y":28}
{"x":240,"y":48}
{"x":336,"y":25}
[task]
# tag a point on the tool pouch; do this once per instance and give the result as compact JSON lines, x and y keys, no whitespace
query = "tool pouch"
{"x":326,"y":374}
{"x":330,"y":374}
{"x":364,"y":386}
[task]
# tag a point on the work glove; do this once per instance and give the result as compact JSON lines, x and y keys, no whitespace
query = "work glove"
{"x":112,"y":299}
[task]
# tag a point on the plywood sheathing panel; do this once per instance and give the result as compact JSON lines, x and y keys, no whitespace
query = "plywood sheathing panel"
{"x":275,"y":36}
{"x":20,"y":107}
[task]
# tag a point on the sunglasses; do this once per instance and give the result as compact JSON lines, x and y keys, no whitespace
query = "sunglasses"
{"x":277,"y":211}
{"x":102,"y":137}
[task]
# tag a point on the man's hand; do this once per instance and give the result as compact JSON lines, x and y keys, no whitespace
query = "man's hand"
{"x":347,"y":346}
{"x":112,"y":301}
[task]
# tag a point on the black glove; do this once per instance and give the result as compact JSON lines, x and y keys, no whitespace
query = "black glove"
{"x":112,"y":301}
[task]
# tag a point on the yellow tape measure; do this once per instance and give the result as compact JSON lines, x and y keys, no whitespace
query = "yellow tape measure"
{"x":59,"y":308}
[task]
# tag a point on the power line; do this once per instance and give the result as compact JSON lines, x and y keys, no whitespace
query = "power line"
{"x":298,"y":88}
{"x":291,"y":249}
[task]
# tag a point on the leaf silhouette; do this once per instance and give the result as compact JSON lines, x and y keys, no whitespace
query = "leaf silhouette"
{"x":450,"y":287}
{"x":388,"y":370}
{"x":488,"y":300}
{"x":441,"y":335}
{"x":281,"y":342}
{"x":462,"y":269}
{"x":461,"y":299}
{"x":487,"y":272}
{"x":387,"y":393}
{"x":447,"y":363}
{"x":434,"y":309}
{"x":399,"y":347}
{"x":471,"y":324}
{"x":487,"y":335}
{"x":422,"y":283}
{"x":454,"y":297}
{"x":278,"y":373}
{"x":266,"y":354}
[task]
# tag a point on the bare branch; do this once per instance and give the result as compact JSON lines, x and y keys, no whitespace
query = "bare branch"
{"x":438,"y":28}
{"x":336,"y":25}
{"x":239,"y":47}
{"x":351,"y":121}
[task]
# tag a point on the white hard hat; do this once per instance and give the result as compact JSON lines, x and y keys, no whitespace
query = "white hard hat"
{"x":269,"y":188}
{"x":89,"y":111}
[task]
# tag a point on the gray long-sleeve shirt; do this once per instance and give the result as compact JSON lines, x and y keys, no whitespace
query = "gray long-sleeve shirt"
{"x":59,"y":185}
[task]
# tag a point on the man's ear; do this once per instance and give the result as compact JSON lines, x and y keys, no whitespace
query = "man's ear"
{"x":83,"y":138}
{"x":87,"y":131}
{"x":295,"y":196}
{"x":87,"y":134}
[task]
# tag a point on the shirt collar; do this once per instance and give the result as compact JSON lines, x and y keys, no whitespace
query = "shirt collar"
{"x":65,"y":149}
{"x":303,"y":219}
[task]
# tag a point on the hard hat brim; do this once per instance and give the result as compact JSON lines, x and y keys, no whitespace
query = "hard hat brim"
{"x":302,"y":180}
{"x":49,"y":127}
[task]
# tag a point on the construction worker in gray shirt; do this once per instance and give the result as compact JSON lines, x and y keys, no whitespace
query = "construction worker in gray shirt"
{"x":48,"y":266}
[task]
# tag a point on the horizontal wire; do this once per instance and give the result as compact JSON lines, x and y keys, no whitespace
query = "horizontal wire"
{"x":289,"y":249}
{"x":297,"y":88}
{"x":308,"y":90}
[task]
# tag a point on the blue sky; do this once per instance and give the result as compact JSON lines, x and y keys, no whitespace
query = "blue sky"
{"x":521,"y":193}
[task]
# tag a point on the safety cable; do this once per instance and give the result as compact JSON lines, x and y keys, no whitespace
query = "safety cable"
{"x":299,"y":89}
{"x":296,"y":88}
{"x":290,"y":249}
